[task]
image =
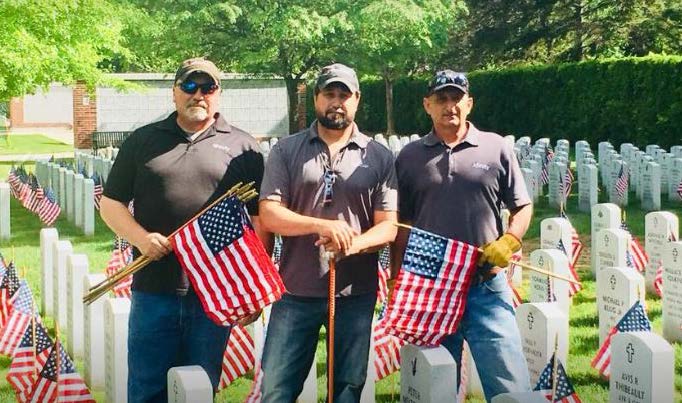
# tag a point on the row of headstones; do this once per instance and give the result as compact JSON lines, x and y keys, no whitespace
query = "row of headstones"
{"x":73,"y":192}
{"x":96,"y":333}
{"x":5,"y":195}
{"x":107,"y":153}
{"x":99,"y":164}
{"x":532,"y":157}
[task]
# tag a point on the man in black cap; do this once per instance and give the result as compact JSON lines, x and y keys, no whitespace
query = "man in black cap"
{"x":329,"y":186}
{"x":171,"y":170}
{"x":453,"y":182}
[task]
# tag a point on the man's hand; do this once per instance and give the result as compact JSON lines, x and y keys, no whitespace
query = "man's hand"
{"x":154,"y":246}
{"x":250,"y":319}
{"x":336,"y":235}
{"x":499,"y":252}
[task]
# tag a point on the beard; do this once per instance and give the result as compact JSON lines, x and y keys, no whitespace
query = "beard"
{"x":333,"y":120}
{"x":196,"y":113}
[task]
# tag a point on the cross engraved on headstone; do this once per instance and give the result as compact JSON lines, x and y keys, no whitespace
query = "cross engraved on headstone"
{"x":656,"y":221}
{"x":414,"y":366}
{"x":612,"y":280}
{"x":606,"y":240}
{"x":541,"y":261}
{"x":175,"y":389}
{"x":675,"y":253}
{"x":530,"y":320}
{"x":549,"y":227}
{"x":600,"y":214}
{"x":631,"y":351}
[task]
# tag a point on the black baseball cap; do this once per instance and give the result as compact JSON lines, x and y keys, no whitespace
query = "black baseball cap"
{"x":338,"y":73}
{"x":448,"y":78}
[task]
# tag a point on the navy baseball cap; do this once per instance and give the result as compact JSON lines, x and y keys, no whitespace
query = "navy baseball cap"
{"x":448,"y":78}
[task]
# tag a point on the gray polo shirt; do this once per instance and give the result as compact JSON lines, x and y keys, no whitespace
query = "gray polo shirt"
{"x":458,"y":192}
{"x":365,"y":183}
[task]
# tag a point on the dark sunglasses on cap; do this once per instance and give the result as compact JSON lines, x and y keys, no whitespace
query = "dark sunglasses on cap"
{"x":449,"y":78}
{"x":190,"y":87}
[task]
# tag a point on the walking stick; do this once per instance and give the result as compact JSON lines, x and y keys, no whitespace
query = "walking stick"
{"x":330,"y":329}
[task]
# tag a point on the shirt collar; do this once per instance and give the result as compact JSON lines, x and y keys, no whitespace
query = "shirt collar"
{"x":356,"y":137}
{"x":220,"y":125}
{"x":471,"y":137}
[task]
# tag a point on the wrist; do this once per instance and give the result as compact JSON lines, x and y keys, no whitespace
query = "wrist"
{"x":512,"y":241}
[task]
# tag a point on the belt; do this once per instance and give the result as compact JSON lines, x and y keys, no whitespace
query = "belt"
{"x":484,"y":274}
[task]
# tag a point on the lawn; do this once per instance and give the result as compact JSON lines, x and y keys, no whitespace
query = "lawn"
{"x":23,"y":248}
{"x":23,"y":144}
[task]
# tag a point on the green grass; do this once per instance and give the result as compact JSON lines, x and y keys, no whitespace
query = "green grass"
{"x":23,"y":144}
{"x":23,"y":247}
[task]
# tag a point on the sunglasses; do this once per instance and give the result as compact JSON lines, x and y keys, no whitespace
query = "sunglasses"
{"x":329,"y":178}
{"x":190,"y":87}
{"x":449,"y":77}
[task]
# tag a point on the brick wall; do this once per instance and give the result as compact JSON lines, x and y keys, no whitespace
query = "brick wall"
{"x":301,"y":118}
{"x":84,"y":116}
{"x":16,"y":112}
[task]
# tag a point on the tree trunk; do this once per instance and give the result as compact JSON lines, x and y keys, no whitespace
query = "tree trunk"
{"x":390,"y":123}
{"x":578,"y":40}
{"x":292,"y":95}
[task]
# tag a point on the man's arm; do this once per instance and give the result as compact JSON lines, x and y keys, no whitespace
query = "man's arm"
{"x":116,"y":215}
{"x":265,"y":236}
{"x":278,"y":219}
{"x":380,"y":234}
{"x":519,"y":220}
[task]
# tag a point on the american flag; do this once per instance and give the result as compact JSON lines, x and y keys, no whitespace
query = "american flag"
{"x":255,"y":394}
{"x":121,"y":256}
{"x":49,"y":209}
{"x":634,"y":320}
{"x":575,"y":242}
{"x":22,"y":309}
{"x":635,"y":255}
{"x":566,"y":183}
{"x":30,"y":194}
{"x":98,"y":189}
{"x":544,"y":173}
{"x":622,"y":181}
{"x":239,"y":356}
{"x":658,"y":278}
{"x":226,"y":263}
{"x":564,"y":389}
{"x":516,"y":297}
{"x":8,"y":287}
{"x":679,"y":189}
{"x":386,"y":350}
{"x":14,"y":181}
{"x":59,"y":381}
{"x":572,"y":288}
{"x":38,"y":196}
{"x":384,"y":273}
{"x":432,"y":287}
{"x":25,"y":364}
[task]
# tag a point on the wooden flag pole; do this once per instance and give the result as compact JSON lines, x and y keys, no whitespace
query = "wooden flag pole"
{"x":330,"y":329}
{"x":555,"y":365}
{"x":524,"y":265}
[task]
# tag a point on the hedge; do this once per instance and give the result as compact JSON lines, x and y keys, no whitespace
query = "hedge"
{"x":637,"y":100}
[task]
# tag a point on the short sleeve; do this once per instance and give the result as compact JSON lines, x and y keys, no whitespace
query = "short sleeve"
{"x":386,"y":194}
{"x":405,"y":193}
{"x":120,"y":183}
{"x":275,"y":184}
{"x":513,"y":190}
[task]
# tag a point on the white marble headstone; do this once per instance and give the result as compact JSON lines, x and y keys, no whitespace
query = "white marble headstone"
{"x":93,"y":335}
{"x":427,"y":374}
{"x":60,"y":251}
{"x":77,"y":266}
{"x":88,"y":207}
{"x":48,"y":236}
{"x":660,"y":227}
{"x":554,"y":261}
{"x":651,"y":187}
{"x":116,"y":313}
{"x":189,"y":384}
{"x":587,"y":187}
{"x":618,"y":288}
{"x":78,"y":200}
{"x":604,"y":215}
{"x":5,"y":222}
{"x":69,"y":196}
{"x":672,"y":294}
{"x":523,"y":397}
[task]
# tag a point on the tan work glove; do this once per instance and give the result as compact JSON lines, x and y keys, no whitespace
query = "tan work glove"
{"x":499,"y":252}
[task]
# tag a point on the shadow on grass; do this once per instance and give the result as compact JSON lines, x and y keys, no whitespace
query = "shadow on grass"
{"x":584,"y":344}
{"x":585,"y":321}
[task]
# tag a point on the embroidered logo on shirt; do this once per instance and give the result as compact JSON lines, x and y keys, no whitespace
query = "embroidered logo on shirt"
{"x":222,"y":147}
{"x":480,"y":165}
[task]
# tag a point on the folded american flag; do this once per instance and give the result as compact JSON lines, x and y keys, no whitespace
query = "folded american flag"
{"x":634,"y":320}
{"x":25,"y":363}
{"x":431,"y":290}
{"x":226,"y":263}
{"x":564,"y":389}
{"x":59,"y":381}
{"x":239,"y":356}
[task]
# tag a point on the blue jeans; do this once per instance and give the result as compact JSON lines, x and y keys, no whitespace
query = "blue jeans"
{"x":166,"y":331}
{"x":490,"y":329}
{"x":291,"y":341}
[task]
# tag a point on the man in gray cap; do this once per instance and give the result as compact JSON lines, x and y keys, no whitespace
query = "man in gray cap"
{"x":334,"y":188}
{"x":171,"y":170}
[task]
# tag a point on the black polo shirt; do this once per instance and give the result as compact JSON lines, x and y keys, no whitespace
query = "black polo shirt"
{"x":171,"y":178}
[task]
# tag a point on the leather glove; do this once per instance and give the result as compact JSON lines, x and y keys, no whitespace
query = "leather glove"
{"x":499,"y":252}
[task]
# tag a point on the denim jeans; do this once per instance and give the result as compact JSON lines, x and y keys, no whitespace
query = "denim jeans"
{"x":166,"y":331}
{"x":490,"y":329}
{"x":291,"y":341}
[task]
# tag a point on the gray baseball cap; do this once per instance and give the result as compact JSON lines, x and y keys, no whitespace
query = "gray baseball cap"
{"x":338,"y":73}
{"x":194,"y":65}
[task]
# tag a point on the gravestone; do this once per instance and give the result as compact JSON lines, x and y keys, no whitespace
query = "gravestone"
{"x":88,"y":207}
{"x":5,"y":227}
{"x":93,"y":335}
{"x":522,"y":397}
{"x":539,"y":324}
{"x":676,"y":151}
{"x":61,"y":195}
{"x":642,"y":368}
{"x":672,"y":294}
{"x":544,"y":288}
{"x":618,"y":288}
{"x":531,"y":183}
{"x":556,"y":178}
{"x":604,"y":215}
{"x":553,"y":230}
{"x":78,"y":200}
{"x":189,"y":384}
{"x":77,"y":266}
{"x":660,"y":227}
{"x":614,"y":196}
{"x":427,"y":374}
{"x":651,"y":187}
{"x":588,"y":194}
{"x":60,"y":251}
{"x":610,"y":247}
{"x":675,"y":179}
{"x":651,"y":148}
{"x":48,"y":236}
{"x":69,"y":197}
{"x":116,"y":312}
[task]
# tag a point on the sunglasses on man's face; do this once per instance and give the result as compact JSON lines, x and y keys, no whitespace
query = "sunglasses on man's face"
{"x":190,"y":87}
